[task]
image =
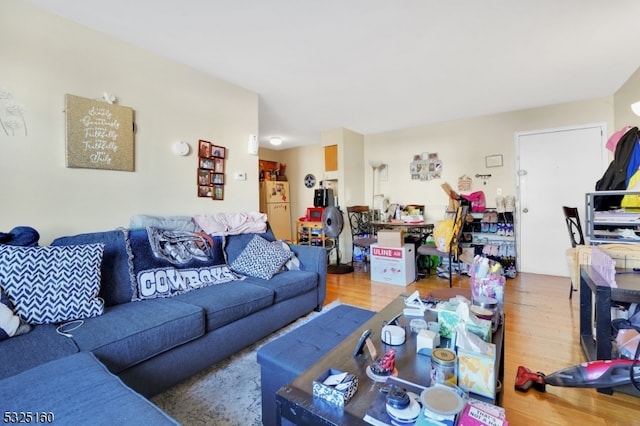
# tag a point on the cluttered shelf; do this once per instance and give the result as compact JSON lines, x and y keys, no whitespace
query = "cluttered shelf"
{"x":605,"y":224}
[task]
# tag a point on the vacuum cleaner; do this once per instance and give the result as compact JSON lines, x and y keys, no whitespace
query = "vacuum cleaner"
{"x":593,"y":374}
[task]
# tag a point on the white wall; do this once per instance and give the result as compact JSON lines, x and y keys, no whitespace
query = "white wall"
{"x":627,"y":94}
{"x":44,"y":57}
{"x":462,"y":146}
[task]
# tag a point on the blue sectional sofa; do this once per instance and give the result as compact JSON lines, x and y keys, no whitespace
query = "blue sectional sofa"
{"x":151,"y":345}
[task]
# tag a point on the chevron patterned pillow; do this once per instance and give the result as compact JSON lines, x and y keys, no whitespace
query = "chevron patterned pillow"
{"x":52,"y":284}
{"x":260,"y":259}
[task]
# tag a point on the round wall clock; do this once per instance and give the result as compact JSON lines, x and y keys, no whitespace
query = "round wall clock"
{"x":309,"y":181}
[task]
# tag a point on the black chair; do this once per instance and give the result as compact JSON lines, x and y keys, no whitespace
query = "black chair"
{"x":361,"y":230}
{"x":576,"y":236}
{"x":454,"y":247}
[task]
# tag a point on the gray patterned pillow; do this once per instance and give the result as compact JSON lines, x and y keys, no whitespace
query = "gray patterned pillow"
{"x":260,"y":259}
{"x":52,"y":284}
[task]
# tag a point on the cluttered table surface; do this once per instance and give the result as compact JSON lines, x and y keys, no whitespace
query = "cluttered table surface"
{"x":296,"y":401}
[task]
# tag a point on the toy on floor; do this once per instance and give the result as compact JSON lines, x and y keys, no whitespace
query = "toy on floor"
{"x":593,"y":374}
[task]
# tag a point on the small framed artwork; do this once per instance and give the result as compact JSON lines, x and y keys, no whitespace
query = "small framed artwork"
{"x":205,"y":191}
{"x":493,"y":160}
{"x":204,"y":176}
{"x":217,"y":178}
{"x":218,"y":151}
{"x":206,"y":163}
{"x":204,"y":149}
{"x":218,"y":192}
{"x":218,"y":165}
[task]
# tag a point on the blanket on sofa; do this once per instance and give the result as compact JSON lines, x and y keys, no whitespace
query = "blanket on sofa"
{"x":232,"y":223}
{"x":166,"y":263}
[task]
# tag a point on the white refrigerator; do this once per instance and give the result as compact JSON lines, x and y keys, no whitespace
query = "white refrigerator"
{"x":275,"y":202}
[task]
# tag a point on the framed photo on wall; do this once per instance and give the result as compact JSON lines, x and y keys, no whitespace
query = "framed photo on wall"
{"x":217,"y":178}
{"x":204,"y":149}
{"x":218,"y":192}
{"x":218,"y":151}
{"x":204,"y":177}
{"x":205,"y":191}
{"x":218,"y":164}
{"x":206,"y":163}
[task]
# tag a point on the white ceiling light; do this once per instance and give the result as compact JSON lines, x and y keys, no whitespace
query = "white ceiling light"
{"x":635,"y":107}
{"x":275,"y":141}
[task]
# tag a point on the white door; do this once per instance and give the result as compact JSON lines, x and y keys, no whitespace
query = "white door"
{"x":555,"y":168}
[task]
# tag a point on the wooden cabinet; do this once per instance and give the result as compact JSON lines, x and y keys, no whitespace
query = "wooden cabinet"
{"x":311,"y":233}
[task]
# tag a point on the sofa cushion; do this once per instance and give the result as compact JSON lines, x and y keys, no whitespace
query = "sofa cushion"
{"x":40,"y":345}
{"x":261,"y":259}
{"x":78,"y":390}
{"x":115,"y":277}
{"x":52,"y":284}
{"x":228,"y":302}
{"x":167,"y":263}
{"x":288,"y":284}
{"x":129,"y":333}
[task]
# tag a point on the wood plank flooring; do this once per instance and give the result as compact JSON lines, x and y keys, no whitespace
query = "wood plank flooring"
{"x":542,"y":333}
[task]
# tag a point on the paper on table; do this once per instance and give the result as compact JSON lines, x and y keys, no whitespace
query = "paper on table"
{"x":334,"y":379}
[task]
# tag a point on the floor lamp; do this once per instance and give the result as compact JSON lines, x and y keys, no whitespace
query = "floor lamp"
{"x":375,"y":165}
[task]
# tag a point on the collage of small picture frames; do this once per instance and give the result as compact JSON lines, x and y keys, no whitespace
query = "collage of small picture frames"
{"x":211,"y":170}
{"x":426,"y":166}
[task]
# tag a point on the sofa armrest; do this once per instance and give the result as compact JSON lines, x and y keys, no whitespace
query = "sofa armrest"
{"x":314,"y":259}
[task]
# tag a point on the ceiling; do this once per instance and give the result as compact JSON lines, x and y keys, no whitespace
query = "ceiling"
{"x":378,"y":65}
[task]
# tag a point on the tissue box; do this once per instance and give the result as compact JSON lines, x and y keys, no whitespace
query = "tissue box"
{"x":482,"y":329}
{"x":448,"y":321}
{"x":330,"y":393}
{"x":476,"y":371}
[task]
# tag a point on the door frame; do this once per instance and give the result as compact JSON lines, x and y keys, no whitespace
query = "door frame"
{"x":606,"y":159}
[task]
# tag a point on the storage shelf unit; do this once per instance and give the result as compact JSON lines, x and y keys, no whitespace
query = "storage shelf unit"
{"x":311,"y":233}
{"x":609,"y":226}
{"x":490,"y":244}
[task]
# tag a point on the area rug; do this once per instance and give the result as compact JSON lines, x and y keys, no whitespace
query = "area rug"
{"x":228,"y":393}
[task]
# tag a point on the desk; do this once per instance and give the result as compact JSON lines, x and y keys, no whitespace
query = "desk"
{"x":592,"y":284}
{"x":421,"y":228}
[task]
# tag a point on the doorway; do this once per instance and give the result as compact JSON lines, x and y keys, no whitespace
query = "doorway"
{"x":554,"y":168}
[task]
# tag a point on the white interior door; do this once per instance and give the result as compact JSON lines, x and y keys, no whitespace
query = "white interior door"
{"x":555,"y":168}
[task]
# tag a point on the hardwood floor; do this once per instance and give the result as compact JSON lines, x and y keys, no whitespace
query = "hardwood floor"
{"x":542,"y":333}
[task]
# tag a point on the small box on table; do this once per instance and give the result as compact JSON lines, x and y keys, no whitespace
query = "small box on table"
{"x":335,"y":394}
{"x":390,"y":238}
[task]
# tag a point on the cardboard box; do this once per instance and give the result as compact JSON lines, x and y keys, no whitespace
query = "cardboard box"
{"x":389,"y":238}
{"x":330,"y":393}
{"x":393,"y":265}
{"x":476,"y":371}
